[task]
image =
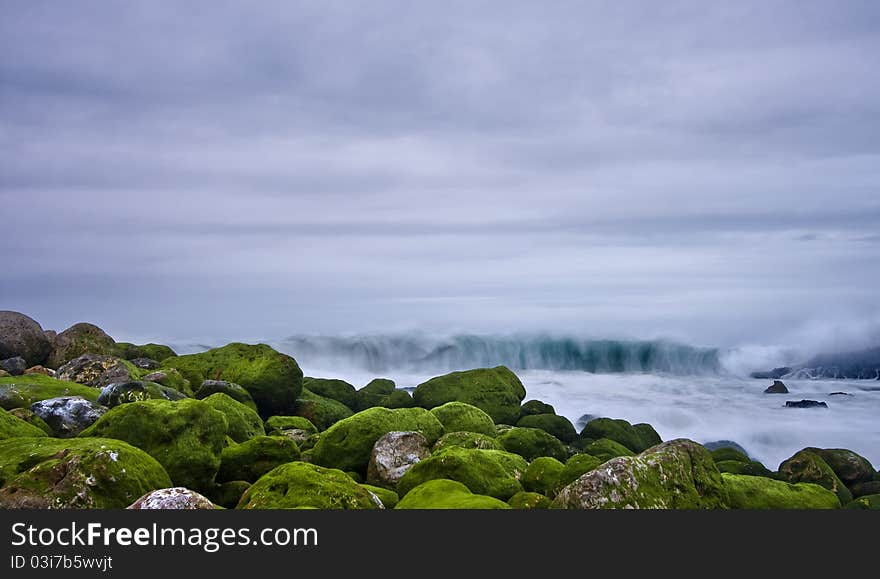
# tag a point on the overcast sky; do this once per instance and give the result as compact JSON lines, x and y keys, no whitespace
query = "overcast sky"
{"x":703,"y":171}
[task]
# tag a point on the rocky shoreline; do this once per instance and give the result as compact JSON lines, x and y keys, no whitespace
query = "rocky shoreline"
{"x":87,"y":422}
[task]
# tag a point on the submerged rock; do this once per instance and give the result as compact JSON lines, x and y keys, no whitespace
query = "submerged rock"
{"x":776,"y":388}
{"x":175,"y":498}
{"x":22,"y":336}
{"x":805,"y":404}
{"x":393,"y":454}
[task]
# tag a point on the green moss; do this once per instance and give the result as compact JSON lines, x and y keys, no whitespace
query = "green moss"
{"x":299,"y":484}
{"x":373,"y":394}
{"x":637,"y":438}
{"x":756,"y":492}
{"x":77,"y":340}
{"x":461,"y":417}
{"x":851,"y":468}
{"x":276,"y":424}
{"x":338,"y":390}
{"x":95,"y":473}
{"x":347,"y":444}
{"x":532,"y":407}
{"x":13,"y":427}
{"x":807,"y":466}
{"x":379,"y":386}
{"x":22,"y":391}
{"x":253,"y":458}
{"x":865,"y":503}
{"x":542,"y":476}
{"x":729,"y":454}
{"x":157,"y":352}
{"x":529,"y":501}
{"x":467,"y":440}
{"x":447,"y":494}
{"x":186,"y":437}
{"x":170,"y":378}
{"x":752,"y":468}
{"x":28,"y":416}
{"x":530,"y":443}
{"x":320,"y":411}
{"x":397,"y":399}
{"x":125,"y":392}
{"x":497,"y":391}
{"x":234,"y":391}
{"x":388,"y":497}
{"x":229,"y":493}
{"x":576,"y":466}
{"x":605,"y":449}
{"x":559,"y":426}
{"x":273,"y":380}
{"x":243,"y":422}
{"x":487,"y":472}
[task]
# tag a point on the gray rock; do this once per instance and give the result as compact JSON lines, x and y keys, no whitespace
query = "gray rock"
{"x":776,"y":388}
{"x":95,"y":370}
{"x":22,"y":336}
{"x":67,"y":416}
{"x":805,"y":404}
{"x":15,"y":366}
{"x":175,"y":498}
{"x":393,"y":454}
{"x":124,"y":392}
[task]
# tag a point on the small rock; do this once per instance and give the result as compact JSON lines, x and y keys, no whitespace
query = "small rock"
{"x":40,"y":370}
{"x":393,"y":454}
{"x":15,"y":366}
{"x":145,"y":363}
{"x":805,"y":404}
{"x":67,"y":416}
{"x":176,"y":498}
{"x":298,"y":435}
{"x":776,"y":388}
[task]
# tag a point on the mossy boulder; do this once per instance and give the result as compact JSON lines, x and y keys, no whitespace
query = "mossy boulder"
{"x":871,"y":487}
{"x":28,"y":416}
{"x":679,"y":474}
{"x":158,"y":352}
{"x":231,"y":389}
{"x":447,"y":494}
{"x":807,"y":466}
{"x":851,"y":468}
{"x":467,"y":440}
{"x":576,"y":466}
{"x":98,"y":370}
{"x":170,"y":378}
{"x":379,"y":386}
{"x":243,"y":422}
{"x":605,"y":449}
{"x":752,"y":467}
{"x":94,"y":473}
{"x":729,"y":454}
{"x":532,"y":407}
{"x":529,"y":501}
{"x":332,"y":388}
{"x":298,"y":485}
{"x":388,"y":497}
{"x":865,"y":503}
{"x":125,"y":392}
{"x":381,"y":392}
{"x":228,"y":494}
{"x":274,"y":380}
{"x":77,"y":340}
{"x":253,"y":458}
{"x":530,"y":443}
{"x":542,"y":476}
{"x":320,"y":411}
{"x":347,"y":444}
{"x":486,"y":472}
{"x":497,"y":391}
{"x":559,"y":426}
{"x":461,"y":417}
{"x":635,"y":437}
{"x":23,"y":391}
{"x":757,"y":492}
{"x":13,"y":427}
{"x":277,"y":424}
{"x":186,"y":436}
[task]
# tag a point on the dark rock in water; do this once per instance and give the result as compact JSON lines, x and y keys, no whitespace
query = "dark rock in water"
{"x":773,"y":374}
{"x":840,"y":394}
{"x":718,"y":444}
{"x":776,"y":388}
{"x":145,"y":363}
{"x":805,"y":404}
{"x":77,"y":340}
{"x":95,"y":370}
{"x":22,"y":336}
{"x":15,"y":366}
{"x":67,"y":416}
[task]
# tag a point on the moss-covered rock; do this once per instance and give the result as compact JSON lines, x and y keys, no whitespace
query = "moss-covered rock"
{"x":529,"y":501}
{"x":388,"y":497}
{"x":530,"y":443}
{"x":729,"y":454}
{"x":98,"y":370}
{"x":274,"y":380}
{"x":467,"y":440}
{"x":865,"y":503}
{"x":347,"y":444}
{"x":332,"y":388}
{"x":253,"y":458}
{"x":486,"y":472}
{"x":173,"y":499}
{"x":851,"y":468}
{"x":497,"y":391}
{"x":28,"y":416}
{"x":461,"y":417}
{"x":234,"y":391}
{"x":532,"y":407}
{"x":95,"y":473}
{"x":559,"y":426}
{"x":77,"y":340}
{"x":228,"y":494}
{"x":297,"y":485}
{"x":13,"y":427}
{"x":125,"y":392}
{"x":679,"y":474}
{"x":186,"y":437}
{"x":243,"y":422}
{"x":576,"y":466}
{"x":757,"y":492}
{"x":871,"y":487}
{"x":542,"y":476}
{"x":605,"y":449}
{"x":170,"y":378}
{"x":447,"y":494}
{"x":276,"y":424}
{"x":158,"y":352}
{"x":320,"y":411}
{"x":23,"y":391}
{"x":807,"y":466}
{"x":377,"y":393}
{"x":752,"y":467}
{"x":635,"y":437}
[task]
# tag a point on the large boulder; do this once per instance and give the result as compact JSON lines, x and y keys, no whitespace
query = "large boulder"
{"x":243,"y":422}
{"x":778,"y":387}
{"x":461,"y":417}
{"x":171,"y":378}
{"x":231,"y":389}
{"x":94,"y":473}
{"x":13,"y":427}
{"x":277,"y":424}
{"x":393,"y":454}
{"x":98,"y":370}
{"x":858,"y":490}
{"x":274,"y":380}
{"x":125,"y":392}
{"x":542,"y":476}
{"x":559,"y":426}
{"x":172,"y":499}
{"x":497,"y":391}
{"x":851,"y":468}
{"x":347,"y":445}
{"x":605,"y":449}
{"x":467,"y":440}
{"x":298,"y":485}
{"x":252,"y":459}
{"x":22,"y":336}
{"x":531,"y":407}
{"x":157,"y":352}
{"x":320,"y":411}
{"x":23,"y":391}
{"x":338,"y":390}
{"x":447,"y":494}
{"x":636,"y":437}
{"x":374,"y":394}
{"x":77,"y":340}
{"x":756,"y":492}
{"x":487,"y":472}
{"x":14,"y":366}
{"x":807,"y":466}
{"x":679,"y":474}
{"x":186,"y":437}
{"x":67,"y":416}
{"x":530,"y":443}
{"x":575,"y":467}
